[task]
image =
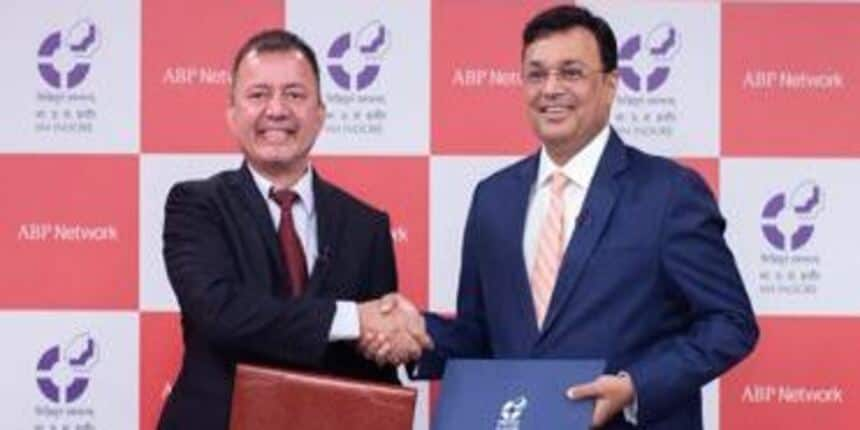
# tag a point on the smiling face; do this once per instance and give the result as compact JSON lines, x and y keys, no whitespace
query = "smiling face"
{"x":568,"y":96}
{"x":276,"y":112}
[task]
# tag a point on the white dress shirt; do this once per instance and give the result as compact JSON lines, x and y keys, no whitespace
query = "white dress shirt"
{"x":579,"y":170}
{"x":345,"y":325}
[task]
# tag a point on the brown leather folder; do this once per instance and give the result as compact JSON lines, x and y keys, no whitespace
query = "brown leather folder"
{"x":277,"y":399}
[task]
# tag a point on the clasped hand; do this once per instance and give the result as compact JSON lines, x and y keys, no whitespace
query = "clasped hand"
{"x":392,"y":330}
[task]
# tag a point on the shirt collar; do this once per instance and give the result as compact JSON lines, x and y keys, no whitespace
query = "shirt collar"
{"x":581,"y":167}
{"x":303,"y":187}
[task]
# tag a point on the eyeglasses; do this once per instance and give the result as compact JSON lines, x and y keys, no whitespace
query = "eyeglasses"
{"x":570,"y":75}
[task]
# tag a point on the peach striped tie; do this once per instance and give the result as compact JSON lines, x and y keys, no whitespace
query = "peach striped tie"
{"x":550,"y":248}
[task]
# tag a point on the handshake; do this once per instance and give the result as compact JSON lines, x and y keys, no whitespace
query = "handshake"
{"x":392,"y":330}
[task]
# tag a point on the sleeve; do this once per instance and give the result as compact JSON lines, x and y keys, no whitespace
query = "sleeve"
{"x":382,"y":277}
{"x":345,"y":325}
{"x":232,"y":316}
{"x":465,"y":336}
{"x":697,"y":263}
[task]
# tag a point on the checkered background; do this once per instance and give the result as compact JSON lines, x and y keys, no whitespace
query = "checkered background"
{"x":106,"y":104}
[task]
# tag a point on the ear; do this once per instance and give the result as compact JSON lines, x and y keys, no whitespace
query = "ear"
{"x":611,"y":82}
{"x":321,"y":109}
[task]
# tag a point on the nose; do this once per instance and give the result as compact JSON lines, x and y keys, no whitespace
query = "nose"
{"x":277,"y":108}
{"x":553,"y":85}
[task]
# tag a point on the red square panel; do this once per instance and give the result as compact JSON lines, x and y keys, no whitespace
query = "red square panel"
{"x":477,"y":105}
{"x":69,"y":231}
{"x":709,"y":168}
{"x":791,"y":79}
{"x":160,"y":357}
{"x":399,"y":186}
{"x":187,"y":52}
{"x":802,"y":375}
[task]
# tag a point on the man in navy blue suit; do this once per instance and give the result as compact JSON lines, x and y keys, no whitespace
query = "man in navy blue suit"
{"x":590,"y":248}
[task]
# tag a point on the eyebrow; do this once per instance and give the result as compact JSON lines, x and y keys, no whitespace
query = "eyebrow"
{"x":534,"y":63}
{"x":265,"y":86}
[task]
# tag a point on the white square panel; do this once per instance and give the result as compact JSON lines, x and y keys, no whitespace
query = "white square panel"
{"x":375,"y":73}
{"x":157,"y":174}
{"x":668,"y":99}
{"x":69,"y":370}
{"x":711,"y":405}
{"x":790,"y":226}
{"x":452,"y":183}
{"x":72,"y":70}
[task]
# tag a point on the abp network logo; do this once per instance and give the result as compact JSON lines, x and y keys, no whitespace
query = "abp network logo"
{"x":788,"y":220}
{"x":648,"y":56}
{"x":65,"y":56}
{"x":63,"y":374}
{"x":358,"y":55}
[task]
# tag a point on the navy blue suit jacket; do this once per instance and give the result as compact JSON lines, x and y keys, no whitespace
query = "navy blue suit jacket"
{"x":647,"y":283}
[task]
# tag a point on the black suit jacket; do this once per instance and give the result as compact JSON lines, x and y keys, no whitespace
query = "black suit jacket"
{"x":225,"y":266}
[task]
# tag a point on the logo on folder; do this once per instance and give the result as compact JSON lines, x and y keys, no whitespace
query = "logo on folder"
{"x":511,"y":413}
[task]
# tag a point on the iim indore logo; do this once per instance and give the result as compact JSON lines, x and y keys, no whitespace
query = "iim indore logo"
{"x":644,"y":60}
{"x":65,"y":56}
{"x":511,"y":413}
{"x":354,"y":59}
{"x":788,"y":219}
{"x":63,"y":371}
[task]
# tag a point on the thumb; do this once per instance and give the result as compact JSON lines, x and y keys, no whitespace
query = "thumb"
{"x":387,"y":303}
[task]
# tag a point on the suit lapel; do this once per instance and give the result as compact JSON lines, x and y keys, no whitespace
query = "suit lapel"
{"x":521,"y":191}
{"x":246,"y":189}
{"x":329,"y":220}
{"x":593,"y":219}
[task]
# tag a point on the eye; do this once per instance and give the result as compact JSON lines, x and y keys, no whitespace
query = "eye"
{"x":257,"y":95}
{"x":536,"y":75}
{"x":296,"y":95}
{"x":571,"y":74}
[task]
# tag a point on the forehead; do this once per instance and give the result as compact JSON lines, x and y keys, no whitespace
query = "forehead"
{"x":576,"y":44}
{"x":277,"y":67}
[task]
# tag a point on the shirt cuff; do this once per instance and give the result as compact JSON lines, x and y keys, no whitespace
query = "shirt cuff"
{"x":631,"y":410}
{"x":345,"y":325}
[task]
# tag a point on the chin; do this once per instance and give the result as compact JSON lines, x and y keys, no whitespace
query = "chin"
{"x":554,"y":137}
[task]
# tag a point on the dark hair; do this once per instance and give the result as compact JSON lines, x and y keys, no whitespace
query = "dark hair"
{"x":275,"y":40}
{"x":565,"y":17}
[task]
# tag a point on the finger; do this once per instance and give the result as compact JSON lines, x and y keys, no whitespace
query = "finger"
{"x":415,"y":355}
{"x":381,"y":360}
{"x":424,"y":340}
{"x":366,"y":338}
{"x":382,"y":352}
{"x":601,"y":412}
{"x":387,"y":304}
{"x":400,"y":358}
{"x":369,"y":348}
{"x":365,"y":350}
{"x":373,"y":341}
{"x":420,"y":337}
{"x":583,"y":391}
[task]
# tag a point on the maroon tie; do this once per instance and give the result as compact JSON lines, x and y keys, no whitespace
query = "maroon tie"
{"x":294,"y":255}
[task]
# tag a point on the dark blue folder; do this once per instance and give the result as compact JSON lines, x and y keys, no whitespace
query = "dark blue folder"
{"x":514,"y":395}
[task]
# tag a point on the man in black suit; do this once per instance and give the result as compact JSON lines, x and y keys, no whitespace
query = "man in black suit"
{"x":270,"y":263}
